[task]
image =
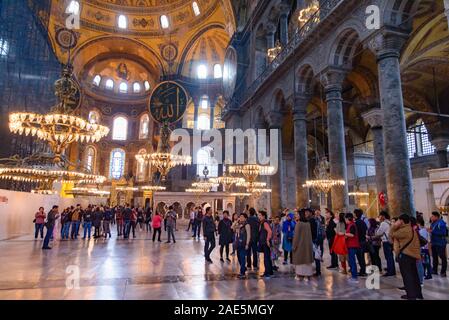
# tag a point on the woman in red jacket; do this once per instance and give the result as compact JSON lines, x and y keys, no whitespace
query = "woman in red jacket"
{"x":39,"y":221}
{"x":156,"y":224}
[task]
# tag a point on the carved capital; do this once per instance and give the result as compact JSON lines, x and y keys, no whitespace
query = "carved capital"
{"x":332,"y":79}
{"x":300,"y":106}
{"x":270,"y":29}
{"x":275,"y":119}
{"x":284,"y":9}
{"x":387,"y":43}
{"x":374,"y":117}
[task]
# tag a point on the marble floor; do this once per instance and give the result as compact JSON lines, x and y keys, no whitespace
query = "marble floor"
{"x":140,"y":269}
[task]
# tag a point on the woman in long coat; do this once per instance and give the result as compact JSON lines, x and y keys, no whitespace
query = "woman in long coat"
{"x":303,"y":248}
{"x":226,"y":235}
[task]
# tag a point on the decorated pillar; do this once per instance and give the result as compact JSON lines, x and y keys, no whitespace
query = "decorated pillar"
{"x":275,"y":122}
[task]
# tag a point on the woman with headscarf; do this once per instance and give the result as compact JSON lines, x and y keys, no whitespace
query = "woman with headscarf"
{"x":303,"y":256}
{"x":288,"y":230}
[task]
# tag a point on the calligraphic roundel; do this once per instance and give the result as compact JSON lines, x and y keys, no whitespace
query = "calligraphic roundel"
{"x":168,"y":102}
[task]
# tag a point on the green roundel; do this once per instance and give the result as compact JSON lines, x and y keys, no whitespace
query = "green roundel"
{"x":168,"y":102}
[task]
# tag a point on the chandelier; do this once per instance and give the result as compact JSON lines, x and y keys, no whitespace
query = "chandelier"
{"x":253,"y":184}
{"x":163,"y":159}
{"x":251,"y":171}
{"x":60,"y":127}
{"x":257,"y":192}
{"x":272,"y":53}
{"x":205,"y":185}
{"x":44,"y":191}
{"x":307,"y":13}
{"x":323,"y":182}
{"x":240,"y":195}
{"x":85,"y":191}
{"x":29,"y":174}
{"x":153,"y":188}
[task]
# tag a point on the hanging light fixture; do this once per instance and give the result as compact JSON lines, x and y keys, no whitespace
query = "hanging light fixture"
{"x":323,"y":181}
{"x":251,"y":171}
{"x":163,"y":159}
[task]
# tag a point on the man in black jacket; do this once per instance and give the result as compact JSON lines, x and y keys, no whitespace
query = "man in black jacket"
{"x":361,"y":232}
{"x":314,"y":225}
{"x":209,"y":234}
{"x":51,"y":217}
{"x":254,"y":223}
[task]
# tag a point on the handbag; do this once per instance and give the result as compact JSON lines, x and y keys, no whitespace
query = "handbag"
{"x":316,"y":252}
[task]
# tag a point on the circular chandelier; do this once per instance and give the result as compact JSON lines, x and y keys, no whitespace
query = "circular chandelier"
{"x":227,"y":180}
{"x":257,"y":192}
{"x":251,"y":185}
{"x":240,"y":195}
{"x":358,"y":194}
{"x":85,"y":191}
{"x":29,"y":174}
{"x":205,"y":185}
{"x":45,"y":192}
{"x":153,"y":188}
{"x":163,"y":159}
{"x":251,"y":171}
{"x":60,"y":127}
{"x":323,"y":182}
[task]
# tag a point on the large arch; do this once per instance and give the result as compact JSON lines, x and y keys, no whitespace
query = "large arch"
{"x":344,"y":48}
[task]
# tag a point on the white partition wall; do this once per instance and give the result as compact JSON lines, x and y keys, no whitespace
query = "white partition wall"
{"x":17,"y":210}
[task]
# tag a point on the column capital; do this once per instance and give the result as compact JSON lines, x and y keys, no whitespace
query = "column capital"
{"x":332,"y":78}
{"x":274,"y":119}
{"x":270,"y":29}
{"x":300,"y":106}
{"x":374,"y":118}
{"x":284,"y":10}
{"x":387,"y":43}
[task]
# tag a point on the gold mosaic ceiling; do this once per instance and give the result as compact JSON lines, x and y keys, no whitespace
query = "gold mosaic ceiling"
{"x":169,"y":50}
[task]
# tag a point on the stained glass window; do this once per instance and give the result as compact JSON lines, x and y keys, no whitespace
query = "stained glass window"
{"x":123,"y":87}
{"x":136,"y":87}
{"x":97,"y":80}
{"x":164,"y":22}
{"x":217,"y":71}
{"x":73,"y":8}
{"x":90,"y":159}
{"x":196,"y":8}
{"x":117,"y":165}
{"x":109,"y":84}
{"x":205,"y":158}
{"x":144,"y":124}
{"x":202,"y":71}
{"x":122,"y":22}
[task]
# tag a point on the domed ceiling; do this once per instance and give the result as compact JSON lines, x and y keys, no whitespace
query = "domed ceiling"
{"x":171,"y":50}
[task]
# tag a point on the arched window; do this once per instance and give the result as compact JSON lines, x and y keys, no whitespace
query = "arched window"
{"x":164,"y":22}
{"x":141,"y":168}
{"x":123,"y":87}
{"x":418,"y":142}
{"x":120,"y":128}
{"x":202,"y":71}
{"x":205,"y":158}
{"x":196,"y":8}
{"x":217,"y":71}
{"x":4,"y":47}
{"x":136,"y":87}
{"x":90,"y":159}
{"x":204,"y":102}
{"x":109,"y":84}
{"x":117,"y":164}
{"x":144,"y":126}
{"x":147,"y":86}
{"x":122,"y":22}
{"x":94,"y":117}
{"x":73,"y":8}
{"x":203,"y":122}
{"x":97,"y":80}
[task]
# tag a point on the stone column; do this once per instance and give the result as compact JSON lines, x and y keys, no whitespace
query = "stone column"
{"x":270,"y":31}
{"x":374,"y":118}
{"x":196,"y":105}
{"x":300,"y":145}
{"x":283,"y":21}
{"x":397,"y":163}
{"x":275,"y":122}
{"x":333,"y":80}
{"x":441,"y":143}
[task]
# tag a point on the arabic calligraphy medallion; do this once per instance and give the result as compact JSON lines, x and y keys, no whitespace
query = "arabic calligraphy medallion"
{"x":168,"y":103}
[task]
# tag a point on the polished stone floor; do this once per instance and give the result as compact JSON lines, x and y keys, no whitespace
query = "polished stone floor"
{"x":140,"y":269}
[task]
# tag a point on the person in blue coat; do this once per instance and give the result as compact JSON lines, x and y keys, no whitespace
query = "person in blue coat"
{"x":288,"y":230}
{"x":438,"y":231}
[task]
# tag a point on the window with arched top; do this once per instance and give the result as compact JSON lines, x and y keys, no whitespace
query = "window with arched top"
{"x":196,"y":8}
{"x":147,"y":86}
{"x":122,"y":22}
{"x":97,"y":80}
{"x":117,"y":164}
{"x":141,"y":167}
{"x":202,"y":71}
{"x":164,"y":22}
{"x":94,"y":117}
{"x":73,"y":8}
{"x":123,"y":87}
{"x":418,"y":142}
{"x":218,"y":72}
{"x":90,"y":159}
{"x":109,"y":84}
{"x":120,"y":128}
{"x":205,"y":159}
{"x":144,"y":126}
{"x":136,"y":87}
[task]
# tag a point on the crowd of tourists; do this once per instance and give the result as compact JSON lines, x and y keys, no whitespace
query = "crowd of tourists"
{"x":294,"y":237}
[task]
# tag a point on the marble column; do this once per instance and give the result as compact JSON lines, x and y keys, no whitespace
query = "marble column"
{"x":333,"y":80}
{"x":441,"y":143}
{"x":374,"y":118}
{"x":275,"y":122}
{"x":270,"y":31}
{"x":397,"y":163}
{"x":300,"y":145}
{"x":283,"y":22}
{"x":196,"y":105}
